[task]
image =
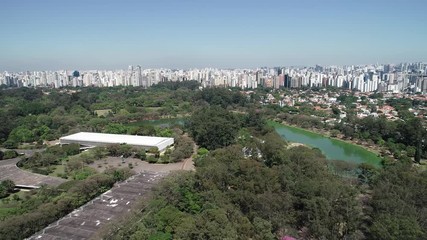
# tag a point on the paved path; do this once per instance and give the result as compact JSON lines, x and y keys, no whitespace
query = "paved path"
{"x":9,"y":170}
{"x":85,"y":221}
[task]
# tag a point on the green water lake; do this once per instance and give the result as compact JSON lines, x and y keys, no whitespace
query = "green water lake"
{"x":333,"y":149}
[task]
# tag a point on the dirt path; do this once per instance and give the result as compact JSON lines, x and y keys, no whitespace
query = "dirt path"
{"x":188,"y":164}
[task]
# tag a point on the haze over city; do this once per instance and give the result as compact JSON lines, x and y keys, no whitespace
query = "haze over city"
{"x":52,"y":35}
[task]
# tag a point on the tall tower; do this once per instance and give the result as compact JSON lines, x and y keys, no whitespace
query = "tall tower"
{"x":137,"y":76}
{"x":128,"y":79}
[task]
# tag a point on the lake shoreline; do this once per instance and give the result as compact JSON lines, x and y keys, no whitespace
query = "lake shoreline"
{"x":372,"y":157}
{"x":326,"y":134}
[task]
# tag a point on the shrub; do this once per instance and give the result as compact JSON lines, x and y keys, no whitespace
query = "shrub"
{"x":71,"y":149}
{"x":10,"y":144}
{"x":6,"y":187}
{"x":183,"y":149}
{"x":141,"y":154}
{"x":43,"y":171}
{"x":74,"y":164}
{"x":119,"y":174}
{"x":164,"y":159}
{"x":334,"y":133}
{"x":202,"y":151}
{"x":62,"y":175}
{"x":82,"y":174}
{"x":117,"y":150}
{"x":64,"y":150}
{"x":151,"y":159}
{"x":8,"y":154}
{"x":99,"y":152}
{"x":64,"y":187}
{"x":155,"y":151}
{"x":87,"y":157}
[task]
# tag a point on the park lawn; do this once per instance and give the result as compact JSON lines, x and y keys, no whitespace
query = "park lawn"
{"x":10,"y":207}
{"x":6,"y":212}
{"x":423,"y":166}
{"x":59,"y":169}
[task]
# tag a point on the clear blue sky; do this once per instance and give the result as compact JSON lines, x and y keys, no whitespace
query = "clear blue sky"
{"x":102,"y":34}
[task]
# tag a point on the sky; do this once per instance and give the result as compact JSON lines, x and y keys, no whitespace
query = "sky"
{"x":104,"y":34}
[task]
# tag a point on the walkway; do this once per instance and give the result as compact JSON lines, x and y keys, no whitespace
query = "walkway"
{"x":9,"y":170}
{"x":85,"y":221}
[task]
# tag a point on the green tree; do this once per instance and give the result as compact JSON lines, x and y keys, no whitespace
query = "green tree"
{"x":395,"y":228}
{"x":262,"y":229}
{"x":117,"y":150}
{"x":214,"y":127}
{"x":21,"y":134}
{"x":336,"y":111}
{"x":141,"y":154}
{"x":334,"y":133}
{"x":6,"y":187}
{"x":116,"y":128}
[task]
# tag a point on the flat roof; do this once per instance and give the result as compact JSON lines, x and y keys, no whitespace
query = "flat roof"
{"x":116,"y":138}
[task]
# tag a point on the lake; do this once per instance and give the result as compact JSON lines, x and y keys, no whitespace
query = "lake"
{"x":333,"y":149}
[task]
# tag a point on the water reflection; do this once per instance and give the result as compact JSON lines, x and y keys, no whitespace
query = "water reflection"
{"x":331,"y":148}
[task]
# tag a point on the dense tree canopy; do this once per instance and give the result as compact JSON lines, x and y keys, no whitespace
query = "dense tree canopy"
{"x":30,"y":115}
{"x":248,"y":183}
{"x":221,"y":97}
{"x":399,"y":204}
{"x":214,"y":127}
{"x":231,"y":196}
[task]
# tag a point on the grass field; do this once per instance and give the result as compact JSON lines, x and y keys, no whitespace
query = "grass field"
{"x":423,"y":165}
{"x":9,"y":206}
{"x":59,"y":169}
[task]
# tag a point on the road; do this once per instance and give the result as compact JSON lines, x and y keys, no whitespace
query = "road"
{"x":9,"y":170}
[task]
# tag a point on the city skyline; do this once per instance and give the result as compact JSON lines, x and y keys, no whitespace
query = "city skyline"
{"x":404,"y":77}
{"x":124,"y":68}
{"x":187,"y":34}
{"x":291,"y":66}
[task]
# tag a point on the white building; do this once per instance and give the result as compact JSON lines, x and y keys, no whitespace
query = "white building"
{"x":103,"y":139}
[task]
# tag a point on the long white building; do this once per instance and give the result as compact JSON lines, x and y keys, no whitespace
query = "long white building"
{"x":91,"y":139}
